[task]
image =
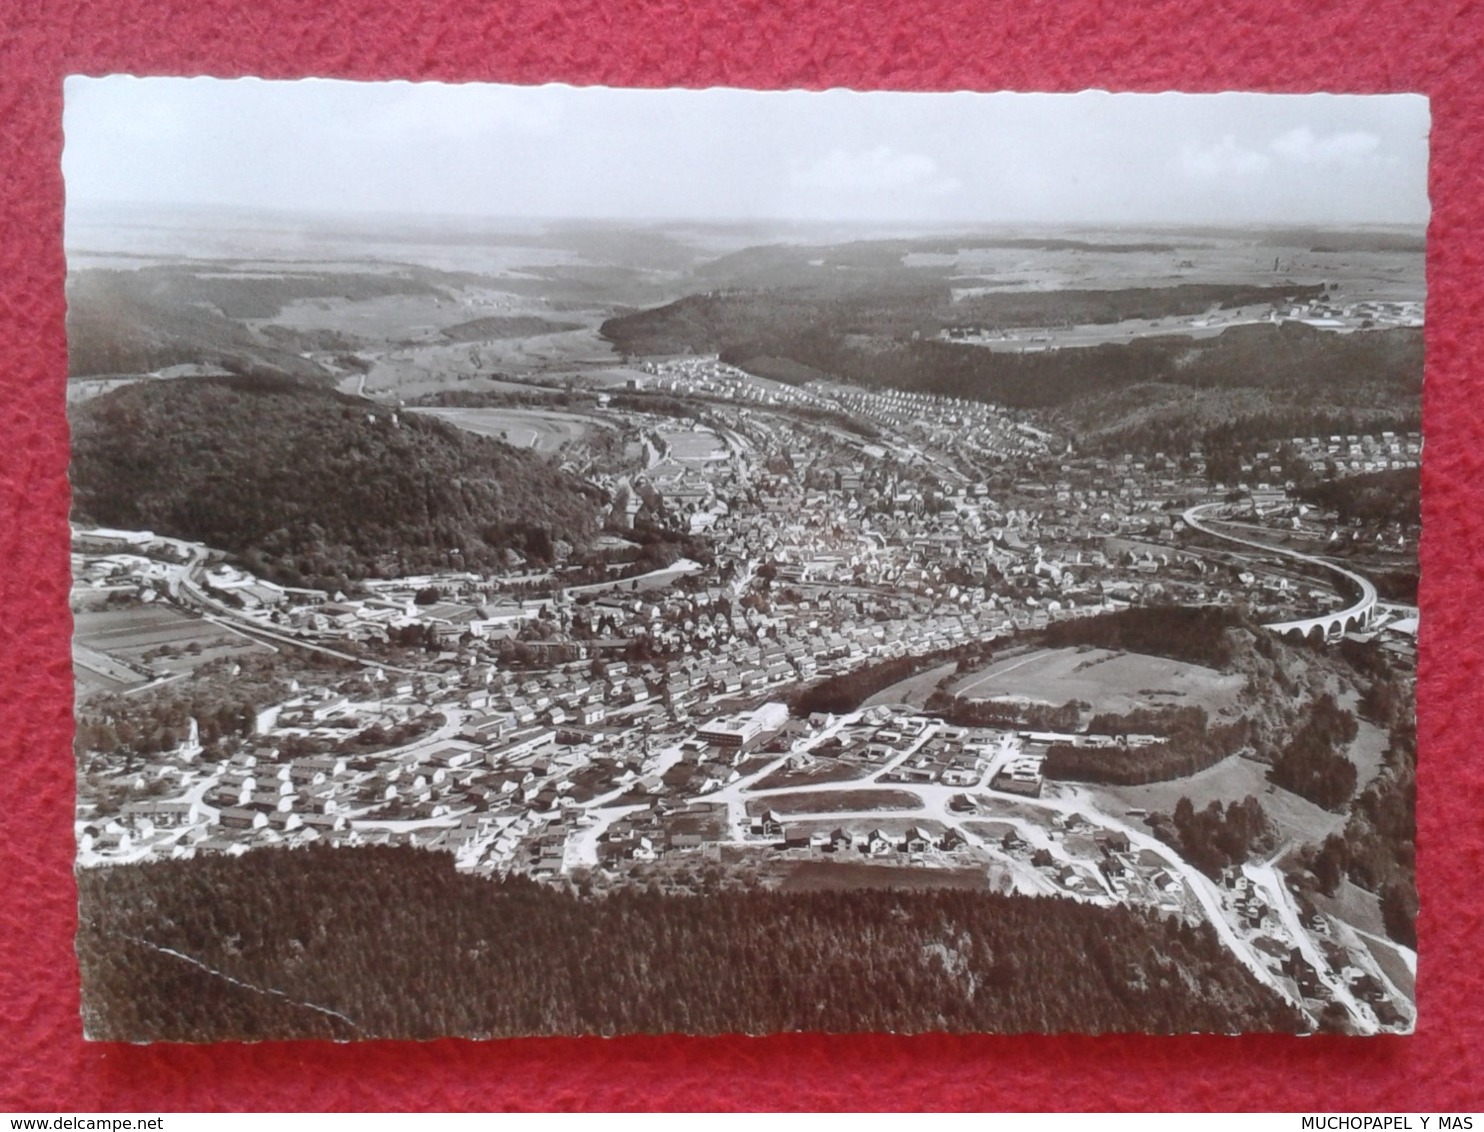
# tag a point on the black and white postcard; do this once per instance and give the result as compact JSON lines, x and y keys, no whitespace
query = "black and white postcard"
{"x":555,"y":561}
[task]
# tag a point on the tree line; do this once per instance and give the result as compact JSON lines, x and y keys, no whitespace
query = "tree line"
{"x":1216,"y":837}
{"x":962,"y":712}
{"x":848,"y":691}
{"x":1390,"y":496}
{"x":1193,"y":634}
{"x":1188,"y":750}
{"x":1377,"y":849}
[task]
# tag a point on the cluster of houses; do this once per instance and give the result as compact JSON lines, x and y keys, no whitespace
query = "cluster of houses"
{"x":706,"y":375}
{"x":877,"y":841}
{"x":1084,"y":859}
{"x":1367,"y":314}
{"x":942,"y":423}
{"x":826,"y":556}
{"x":649,"y":834}
{"x":1355,"y":454}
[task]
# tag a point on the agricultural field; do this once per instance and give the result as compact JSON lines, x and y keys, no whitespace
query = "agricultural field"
{"x":384,"y":318}
{"x":542,"y":430}
{"x":566,"y":351}
{"x":111,"y":644}
{"x":835,"y":802}
{"x":821,"y":770}
{"x":98,"y":672}
{"x":426,"y":366}
{"x":1110,"y":681}
{"x":1358,"y":272}
{"x":1033,"y":338}
{"x":695,"y":444}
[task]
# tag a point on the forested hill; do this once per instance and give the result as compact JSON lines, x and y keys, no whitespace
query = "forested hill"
{"x":138,"y":321}
{"x":307,"y":484}
{"x":779,"y":297}
{"x":1154,"y":392}
{"x":1392,"y":496}
{"x":394,"y":943}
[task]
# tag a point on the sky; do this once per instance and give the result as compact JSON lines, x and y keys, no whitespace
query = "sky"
{"x":839,"y":156}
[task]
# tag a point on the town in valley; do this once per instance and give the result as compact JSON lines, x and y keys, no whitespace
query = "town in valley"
{"x":881,"y":593}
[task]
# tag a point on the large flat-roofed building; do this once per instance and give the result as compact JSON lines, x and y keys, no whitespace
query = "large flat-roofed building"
{"x":738,"y":730}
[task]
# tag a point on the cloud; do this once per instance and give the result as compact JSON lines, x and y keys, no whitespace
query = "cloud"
{"x":1224,"y":159}
{"x":881,"y":169}
{"x":1298,"y":146}
{"x":1352,"y":147}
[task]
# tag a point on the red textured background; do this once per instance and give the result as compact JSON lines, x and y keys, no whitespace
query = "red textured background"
{"x":1396,"y":45}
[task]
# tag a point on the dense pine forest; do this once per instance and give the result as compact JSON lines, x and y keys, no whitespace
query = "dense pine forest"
{"x":781,"y":297}
{"x":1310,"y":764}
{"x":309,"y":485}
{"x":1392,"y":496}
{"x":352,"y":943}
{"x":1194,"y":634}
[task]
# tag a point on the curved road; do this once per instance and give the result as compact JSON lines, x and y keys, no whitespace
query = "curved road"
{"x":1361,"y":608}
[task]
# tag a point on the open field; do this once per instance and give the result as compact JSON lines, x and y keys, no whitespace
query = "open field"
{"x":570,"y":350}
{"x":1392,"y":964}
{"x":1353,"y":904}
{"x":914,"y":690}
{"x":695,"y":444}
{"x":1228,"y":781}
{"x":1367,"y":752}
{"x":1030,"y":339}
{"x":539,"y":429}
{"x":1357,"y":273}
{"x":98,"y":672}
{"x":823,"y":770}
{"x":81,"y":389}
{"x":155,"y":635}
{"x":1110,"y":681}
{"x":835,"y":802}
{"x":385,"y":318}
{"x":430,"y":363}
{"x":138,"y":628}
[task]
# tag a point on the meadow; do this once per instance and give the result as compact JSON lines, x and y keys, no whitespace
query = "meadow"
{"x":538,"y":429}
{"x":1110,"y":681}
